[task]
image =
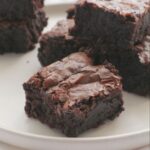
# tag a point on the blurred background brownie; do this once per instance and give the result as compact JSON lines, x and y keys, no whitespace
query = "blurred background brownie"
{"x":133,"y":65}
{"x":73,"y":95}
{"x":120,"y":23}
{"x":71,"y":12}
{"x":21,"y":24}
{"x":21,"y":36}
{"x":17,"y":10}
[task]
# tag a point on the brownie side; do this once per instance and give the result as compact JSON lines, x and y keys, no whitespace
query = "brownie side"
{"x":17,"y":10}
{"x":73,"y":96}
{"x":121,"y":24}
{"x":21,"y":36}
{"x":133,"y":65}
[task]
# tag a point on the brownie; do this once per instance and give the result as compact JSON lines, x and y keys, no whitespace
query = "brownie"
{"x":57,"y":43}
{"x":16,"y":10}
{"x":21,"y":36}
{"x":120,"y":23}
{"x":73,"y":96}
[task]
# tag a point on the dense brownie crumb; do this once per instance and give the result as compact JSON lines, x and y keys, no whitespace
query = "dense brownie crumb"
{"x":21,"y":36}
{"x":73,"y":95}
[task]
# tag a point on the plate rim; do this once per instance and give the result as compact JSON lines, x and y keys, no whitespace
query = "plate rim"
{"x":75,"y":139}
{"x":58,"y":2}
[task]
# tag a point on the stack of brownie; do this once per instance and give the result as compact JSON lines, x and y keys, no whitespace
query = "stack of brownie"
{"x":21,"y":24}
{"x":112,"y":30}
{"x":79,"y":89}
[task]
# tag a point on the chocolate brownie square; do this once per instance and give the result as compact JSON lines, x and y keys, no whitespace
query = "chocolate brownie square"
{"x":58,"y":43}
{"x":17,"y":10}
{"x":73,"y":95}
{"x":21,"y":36}
{"x":133,"y":65}
{"x":116,"y":23}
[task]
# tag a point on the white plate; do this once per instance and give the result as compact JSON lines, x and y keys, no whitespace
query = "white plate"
{"x":130,"y":130}
{"x":55,"y":2}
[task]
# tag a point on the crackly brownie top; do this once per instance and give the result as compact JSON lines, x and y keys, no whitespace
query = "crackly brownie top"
{"x":144,"y":51}
{"x":60,"y":29}
{"x":90,"y":82}
{"x":76,"y":79}
{"x":134,"y":8}
{"x":51,"y":75}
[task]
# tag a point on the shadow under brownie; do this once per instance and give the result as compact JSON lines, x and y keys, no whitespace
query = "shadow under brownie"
{"x":73,"y":95}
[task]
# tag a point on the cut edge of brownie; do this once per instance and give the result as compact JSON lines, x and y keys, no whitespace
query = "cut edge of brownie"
{"x":37,"y":109}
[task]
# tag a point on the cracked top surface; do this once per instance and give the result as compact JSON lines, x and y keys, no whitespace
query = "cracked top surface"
{"x":75,"y":79}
